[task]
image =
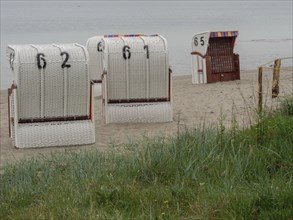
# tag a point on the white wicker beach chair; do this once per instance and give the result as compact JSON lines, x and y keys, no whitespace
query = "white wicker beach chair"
{"x":94,"y":47}
{"x":136,"y":79}
{"x":50,"y":101}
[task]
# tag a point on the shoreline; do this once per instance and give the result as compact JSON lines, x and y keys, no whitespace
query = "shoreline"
{"x":193,"y":104}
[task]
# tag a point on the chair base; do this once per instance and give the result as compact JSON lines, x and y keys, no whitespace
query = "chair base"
{"x":48,"y":134}
{"x":139,"y":112}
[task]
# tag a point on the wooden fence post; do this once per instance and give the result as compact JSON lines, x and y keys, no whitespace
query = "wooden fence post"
{"x":260,"y":89}
{"x":276,"y":78}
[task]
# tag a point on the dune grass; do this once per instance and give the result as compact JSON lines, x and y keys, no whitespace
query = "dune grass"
{"x":204,"y":173}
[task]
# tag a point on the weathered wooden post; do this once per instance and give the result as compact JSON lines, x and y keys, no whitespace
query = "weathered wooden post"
{"x":276,"y":78}
{"x":260,"y":89}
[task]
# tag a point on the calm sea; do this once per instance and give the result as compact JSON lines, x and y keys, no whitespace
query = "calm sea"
{"x":265,"y":27}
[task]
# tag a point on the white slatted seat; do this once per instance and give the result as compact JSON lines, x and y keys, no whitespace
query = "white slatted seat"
{"x":50,"y":99}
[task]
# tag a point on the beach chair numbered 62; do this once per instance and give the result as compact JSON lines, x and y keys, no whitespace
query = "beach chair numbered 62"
{"x":50,"y":101}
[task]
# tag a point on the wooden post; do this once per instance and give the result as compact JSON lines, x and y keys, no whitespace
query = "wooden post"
{"x":276,"y":78}
{"x":260,"y":89}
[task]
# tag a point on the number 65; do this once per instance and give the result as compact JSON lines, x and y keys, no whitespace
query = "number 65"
{"x":201,"y":41}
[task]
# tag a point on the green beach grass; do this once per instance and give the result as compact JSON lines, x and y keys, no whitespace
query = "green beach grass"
{"x":204,"y":173}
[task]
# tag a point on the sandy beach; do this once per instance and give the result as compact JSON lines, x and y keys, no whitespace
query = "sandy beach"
{"x":192,"y":104}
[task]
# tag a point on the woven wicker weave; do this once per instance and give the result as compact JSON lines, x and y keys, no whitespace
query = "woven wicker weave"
{"x":221,"y":52}
{"x":137,"y":79}
{"x":49,"y":99}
